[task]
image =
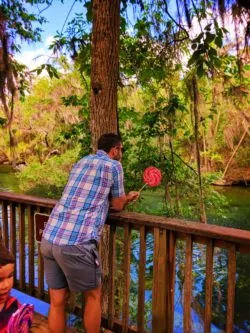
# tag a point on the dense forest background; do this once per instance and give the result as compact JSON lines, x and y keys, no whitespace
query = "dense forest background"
{"x":183,"y":99}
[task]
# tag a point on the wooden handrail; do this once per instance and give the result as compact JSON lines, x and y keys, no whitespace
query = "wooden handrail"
{"x":184,"y":226}
{"x":27,"y":199}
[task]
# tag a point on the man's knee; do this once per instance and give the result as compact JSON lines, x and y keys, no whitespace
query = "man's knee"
{"x":94,"y":294}
{"x":59,"y":298}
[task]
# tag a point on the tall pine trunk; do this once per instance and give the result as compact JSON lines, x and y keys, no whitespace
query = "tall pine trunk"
{"x":104,"y":68}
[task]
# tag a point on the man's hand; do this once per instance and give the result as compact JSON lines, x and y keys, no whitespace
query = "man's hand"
{"x":133,"y":196}
{"x":119,"y":203}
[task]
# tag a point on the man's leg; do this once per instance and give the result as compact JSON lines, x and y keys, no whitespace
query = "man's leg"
{"x":57,"y":313}
{"x":92,"y":312}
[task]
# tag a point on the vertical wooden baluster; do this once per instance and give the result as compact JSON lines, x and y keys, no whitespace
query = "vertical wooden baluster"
{"x":1,"y":224}
{"x":141,"y":282}
{"x":159,"y":320}
{"x":31,"y":242}
{"x":209,"y":286}
{"x":13,"y":228}
{"x":188,"y":285}
{"x":40,"y":267}
{"x":171,"y":280}
{"x":21,"y":227}
{"x":5,"y":231}
{"x":40,"y":273}
{"x":112,"y":263}
{"x":231,"y":281}
{"x":126,"y":265}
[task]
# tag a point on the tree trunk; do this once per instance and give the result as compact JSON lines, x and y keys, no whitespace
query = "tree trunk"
{"x":234,"y":152}
{"x":196,"y":133}
{"x":13,"y":144}
{"x":205,"y":151}
{"x":103,"y":96}
{"x":104,"y":68}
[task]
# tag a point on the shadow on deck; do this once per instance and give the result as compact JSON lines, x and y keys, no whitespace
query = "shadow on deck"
{"x":40,"y":325}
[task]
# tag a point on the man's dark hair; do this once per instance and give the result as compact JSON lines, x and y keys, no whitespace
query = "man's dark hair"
{"x":5,"y":256}
{"x":108,"y":141}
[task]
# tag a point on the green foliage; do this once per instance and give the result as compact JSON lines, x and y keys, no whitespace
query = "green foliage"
{"x":48,"y":179}
{"x":154,"y":102}
{"x":79,"y":132}
{"x":51,"y":70}
{"x":243,"y":156}
{"x":20,"y":20}
{"x":205,"y":56}
{"x":2,"y":121}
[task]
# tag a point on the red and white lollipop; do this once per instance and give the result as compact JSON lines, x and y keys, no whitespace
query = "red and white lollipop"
{"x":151,"y":177}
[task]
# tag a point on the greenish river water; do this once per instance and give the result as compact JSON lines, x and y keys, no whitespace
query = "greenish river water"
{"x":234,"y":213}
{"x":8,"y":180}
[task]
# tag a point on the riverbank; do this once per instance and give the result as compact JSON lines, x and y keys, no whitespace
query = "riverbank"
{"x":236,"y":176}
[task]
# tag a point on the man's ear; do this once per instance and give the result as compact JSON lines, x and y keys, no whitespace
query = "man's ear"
{"x":112,"y":152}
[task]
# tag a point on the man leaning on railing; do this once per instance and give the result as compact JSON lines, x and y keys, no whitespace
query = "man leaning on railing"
{"x":70,"y":238}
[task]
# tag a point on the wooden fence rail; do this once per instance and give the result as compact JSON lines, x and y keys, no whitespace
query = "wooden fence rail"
{"x":18,"y":234}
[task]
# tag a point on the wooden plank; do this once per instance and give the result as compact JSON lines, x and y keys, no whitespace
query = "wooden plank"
{"x":40,"y":325}
{"x":188,"y":285}
{"x":126,"y":265}
{"x":187,"y":227}
{"x":5,"y":231}
{"x":21,"y":231}
{"x":40,"y":273}
{"x":27,"y":199}
{"x":171,"y":280}
{"x":244,"y":249}
{"x":118,"y":327}
{"x":159,"y":311}
{"x":112,"y":263}
{"x":209,"y":286}
{"x":141,"y":281}
{"x":13,"y":237}
{"x":231,"y":288}
{"x":40,"y":288}
{"x":31,"y":246}
{"x":233,"y":235}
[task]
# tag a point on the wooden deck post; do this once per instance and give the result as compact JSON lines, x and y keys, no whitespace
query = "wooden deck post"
{"x":159,"y":321}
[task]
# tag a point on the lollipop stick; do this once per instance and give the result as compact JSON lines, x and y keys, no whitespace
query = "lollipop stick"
{"x":142,"y":188}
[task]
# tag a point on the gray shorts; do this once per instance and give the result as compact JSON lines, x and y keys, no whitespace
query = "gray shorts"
{"x":76,"y":267}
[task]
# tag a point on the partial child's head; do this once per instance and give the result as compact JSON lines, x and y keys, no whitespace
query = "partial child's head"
{"x":111,"y":143}
{"x":7,"y":262}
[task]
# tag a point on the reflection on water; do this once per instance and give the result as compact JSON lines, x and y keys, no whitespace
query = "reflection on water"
{"x":219,"y":293}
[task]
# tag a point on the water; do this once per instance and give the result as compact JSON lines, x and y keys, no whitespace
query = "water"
{"x":235,"y":213}
{"x":8,"y":179}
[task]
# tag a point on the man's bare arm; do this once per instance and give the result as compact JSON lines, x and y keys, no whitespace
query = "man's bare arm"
{"x":120,"y":203}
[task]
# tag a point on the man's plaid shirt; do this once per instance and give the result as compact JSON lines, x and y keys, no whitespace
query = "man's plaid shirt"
{"x":82,"y":210}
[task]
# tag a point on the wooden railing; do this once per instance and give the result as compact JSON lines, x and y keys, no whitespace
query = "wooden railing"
{"x":18,"y":234}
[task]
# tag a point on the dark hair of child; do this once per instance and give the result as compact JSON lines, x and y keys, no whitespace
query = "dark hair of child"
{"x":6,"y":257}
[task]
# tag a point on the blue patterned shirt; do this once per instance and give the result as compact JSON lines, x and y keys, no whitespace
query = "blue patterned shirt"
{"x":82,"y":210}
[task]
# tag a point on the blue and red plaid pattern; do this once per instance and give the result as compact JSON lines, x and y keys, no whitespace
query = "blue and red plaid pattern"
{"x":82,"y":210}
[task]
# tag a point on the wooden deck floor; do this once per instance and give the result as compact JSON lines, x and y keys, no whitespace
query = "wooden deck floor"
{"x":40,"y":325}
